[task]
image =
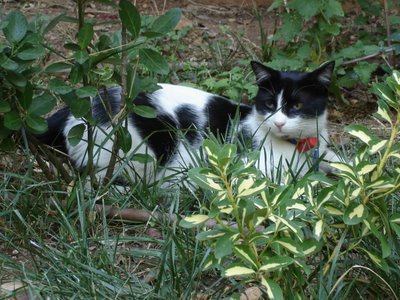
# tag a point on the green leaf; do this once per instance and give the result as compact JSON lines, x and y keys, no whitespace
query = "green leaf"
{"x":210,"y":234}
{"x":130,"y":17}
{"x":58,"y":67}
{"x":248,"y":187}
{"x":318,"y":229}
{"x":193,"y":220}
{"x":292,"y":24}
{"x":381,"y":263}
{"x":312,"y":246}
{"x":246,"y":254}
{"x":307,"y":9}
{"x":76,"y":74}
{"x":145,"y":111}
{"x":85,"y":35}
{"x":395,"y":218}
{"x":76,"y":133}
{"x":32,"y":53}
{"x":124,"y":139}
{"x":167,"y":22}
{"x":376,"y":146}
{"x":396,"y":228}
{"x":290,"y":245}
{"x":292,"y":226}
{"x":16,"y":79}
{"x":81,"y":57}
{"x":355,"y":213}
{"x":333,"y":8}
{"x":7,"y":63}
{"x":212,"y":151}
{"x":198,"y":176}
{"x":224,"y":245}
{"x":153,"y":61}
{"x":80,"y":107}
{"x":276,"y":263}
{"x":4,"y":106}
{"x":383,"y":111}
{"x":12,"y":120}
{"x":381,"y":184}
{"x":364,"y":168}
{"x":238,"y":271}
{"x":60,"y":87}
{"x":385,"y":93}
{"x":36,"y":123}
{"x":142,"y":158}
{"x":86,"y":91}
{"x":25,"y":96}
{"x":42,"y":104}
{"x":16,"y":27}
{"x":361,"y":132}
{"x":364,"y":71}
{"x":273,"y":289}
{"x":384,"y":243}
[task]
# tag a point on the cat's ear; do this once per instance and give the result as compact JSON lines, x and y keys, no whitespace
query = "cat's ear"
{"x":263,"y":73}
{"x":324,"y":73}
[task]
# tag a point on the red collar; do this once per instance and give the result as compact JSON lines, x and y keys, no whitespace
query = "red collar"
{"x":304,"y":145}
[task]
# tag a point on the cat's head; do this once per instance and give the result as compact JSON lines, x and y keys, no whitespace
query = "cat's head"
{"x":292,"y":104}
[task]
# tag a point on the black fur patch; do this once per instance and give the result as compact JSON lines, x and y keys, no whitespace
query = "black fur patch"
{"x":106,"y":104}
{"x":160,"y":132}
{"x":221,"y":111}
{"x":189,"y":123}
{"x":54,"y":136}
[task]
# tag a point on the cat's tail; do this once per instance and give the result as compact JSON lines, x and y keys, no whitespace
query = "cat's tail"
{"x":54,"y":136}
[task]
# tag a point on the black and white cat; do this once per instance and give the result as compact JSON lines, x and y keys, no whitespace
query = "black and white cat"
{"x":288,"y":123}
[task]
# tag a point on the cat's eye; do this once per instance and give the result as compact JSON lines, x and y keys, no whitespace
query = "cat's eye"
{"x":298,"y":106}
{"x":270,"y":105}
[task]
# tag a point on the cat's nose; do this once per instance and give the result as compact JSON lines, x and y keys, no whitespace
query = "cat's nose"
{"x":279,"y":124}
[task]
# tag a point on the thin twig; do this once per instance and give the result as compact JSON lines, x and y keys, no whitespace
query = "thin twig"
{"x":43,"y":166}
{"x":33,"y":142}
{"x":366,"y":57}
{"x":143,"y":216}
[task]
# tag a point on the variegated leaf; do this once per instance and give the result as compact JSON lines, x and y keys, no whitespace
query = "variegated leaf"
{"x":238,"y":271}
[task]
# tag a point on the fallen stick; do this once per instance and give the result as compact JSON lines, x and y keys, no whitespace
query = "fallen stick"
{"x":143,"y":216}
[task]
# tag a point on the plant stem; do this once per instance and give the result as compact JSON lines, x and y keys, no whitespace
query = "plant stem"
{"x":393,"y":135}
{"x":121,"y":114}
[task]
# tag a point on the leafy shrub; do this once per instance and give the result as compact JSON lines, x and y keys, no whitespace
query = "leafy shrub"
{"x":311,"y":223}
{"x":313,"y":32}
